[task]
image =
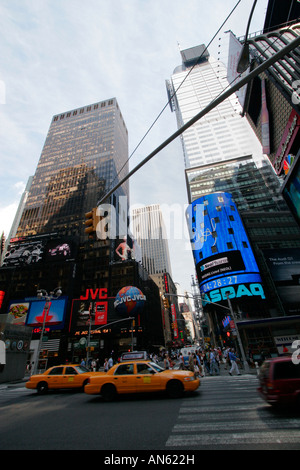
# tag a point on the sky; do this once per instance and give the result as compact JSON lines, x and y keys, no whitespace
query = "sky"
{"x":57,"y":55}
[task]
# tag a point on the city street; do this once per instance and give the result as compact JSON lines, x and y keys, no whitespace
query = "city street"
{"x":225,"y":413}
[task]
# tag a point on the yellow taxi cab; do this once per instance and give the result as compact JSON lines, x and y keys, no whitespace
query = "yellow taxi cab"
{"x":63,"y":376}
{"x":138,"y":376}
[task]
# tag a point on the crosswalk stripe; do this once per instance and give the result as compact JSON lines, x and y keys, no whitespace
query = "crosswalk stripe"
{"x":228,"y":414}
{"x":218,"y":408}
{"x":231,"y":439}
{"x":236,"y":426}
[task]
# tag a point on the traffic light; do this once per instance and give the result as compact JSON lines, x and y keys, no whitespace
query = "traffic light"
{"x":166,"y":303}
{"x":90,"y":222}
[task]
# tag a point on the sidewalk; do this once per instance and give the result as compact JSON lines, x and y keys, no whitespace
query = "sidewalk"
{"x":15,"y":383}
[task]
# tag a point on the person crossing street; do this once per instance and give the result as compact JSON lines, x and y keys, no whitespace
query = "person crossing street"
{"x":233,"y":359}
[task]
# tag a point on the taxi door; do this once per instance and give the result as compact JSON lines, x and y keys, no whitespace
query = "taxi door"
{"x":70,"y":378}
{"x":147,"y":380}
{"x":124,"y":379}
{"x":55,"y":377}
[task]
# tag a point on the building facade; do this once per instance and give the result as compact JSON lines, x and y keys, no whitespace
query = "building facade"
{"x":223,"y":155}
{"x":150,"y":233}
{"x":84,"y":155}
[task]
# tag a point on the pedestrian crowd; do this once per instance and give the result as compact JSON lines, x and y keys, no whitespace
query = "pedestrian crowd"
{"x":209,"y":361}
{"x":201,"y":362}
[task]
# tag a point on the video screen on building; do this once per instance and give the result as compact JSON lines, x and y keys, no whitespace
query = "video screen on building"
{"x":17,"y":312}
{"x":223,"y":257}
{"x":31,"y":250}
{"x":126,"y":248}
{"x":284,"y":266}
{"x":55,"y":315}
{"x":24,"y":253}
{"x":60,"y":249}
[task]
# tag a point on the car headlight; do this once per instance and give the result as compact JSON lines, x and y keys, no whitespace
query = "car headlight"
{"x":189,"y":378}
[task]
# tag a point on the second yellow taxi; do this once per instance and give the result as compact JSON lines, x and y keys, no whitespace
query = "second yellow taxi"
{"x":138,"y":377}
{"x":63,"y":376}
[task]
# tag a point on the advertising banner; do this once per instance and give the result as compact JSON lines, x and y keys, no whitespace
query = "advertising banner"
{"x":55,"y":314}
{"x":222,"y":253}
{"x":284,"y":266}
{"x":101,"y":313}
{"x":31,"y":250}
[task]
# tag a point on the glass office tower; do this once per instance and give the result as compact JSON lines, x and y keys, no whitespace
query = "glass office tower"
{"x":150,"y":232}
{"x":222,"y":154}
{"x":84,"y":154}
{"x":220,"y":135}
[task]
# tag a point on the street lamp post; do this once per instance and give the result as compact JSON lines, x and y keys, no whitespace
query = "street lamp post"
{"x":42,"y":293}
{"x":246,"y":365}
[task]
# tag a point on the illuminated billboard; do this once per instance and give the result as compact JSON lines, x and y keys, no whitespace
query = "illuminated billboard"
{"x":291,"y":189}
{"x":55,"y":316}
{"x":17,"y":312}
{"x":31,"y":250}
{"x":284,"y":266}
{"x":224,"y":260}
{"x":126,"y":248}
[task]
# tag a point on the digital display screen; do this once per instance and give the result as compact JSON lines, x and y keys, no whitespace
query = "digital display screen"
{"x":60,"y":250}
{"x":55,"y":315}
{"x":221,"y":248}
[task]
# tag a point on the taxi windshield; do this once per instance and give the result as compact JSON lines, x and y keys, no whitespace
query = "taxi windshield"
{"x":156,"y":367}
{"x":81,"y":369}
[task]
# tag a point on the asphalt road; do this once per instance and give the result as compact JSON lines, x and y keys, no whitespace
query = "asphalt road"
{"x":225,"y":413}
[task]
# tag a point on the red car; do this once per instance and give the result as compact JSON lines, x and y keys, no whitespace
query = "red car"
{"x":279,"y":379}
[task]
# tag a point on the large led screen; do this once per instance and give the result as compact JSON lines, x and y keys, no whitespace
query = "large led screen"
{"x":284,"y":266}
{"x":55,"y":316}
{"x":223,"y":257}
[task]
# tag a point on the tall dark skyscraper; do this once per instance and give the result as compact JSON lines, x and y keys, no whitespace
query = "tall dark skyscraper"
{"x":84,"y":152}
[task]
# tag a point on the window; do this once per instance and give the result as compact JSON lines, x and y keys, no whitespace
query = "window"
{"x":56,"y":371}
{"x":70,"y":371}
{"x":229,"y":245}
{"x":124,"y":369}
{"x":144,"y":369}
{"x":286,"y":370}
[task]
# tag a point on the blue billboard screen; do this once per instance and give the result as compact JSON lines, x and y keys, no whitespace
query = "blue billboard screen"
{"x":55,"y":316}
{"x":222,"y":253}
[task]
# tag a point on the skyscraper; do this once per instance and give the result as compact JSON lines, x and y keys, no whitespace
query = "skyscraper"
{"x":222,"y":133}
{"x":149,"y":230}
{"x":84,"y":152}
{"x":223,"y":156}
{"x":84,"y":155}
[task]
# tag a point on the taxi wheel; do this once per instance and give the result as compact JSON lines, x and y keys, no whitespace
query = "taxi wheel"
{"x":42,"y":387}
{"x":84,"y":384}
{"x":175,"y":389}
{"x":108,"y":392}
